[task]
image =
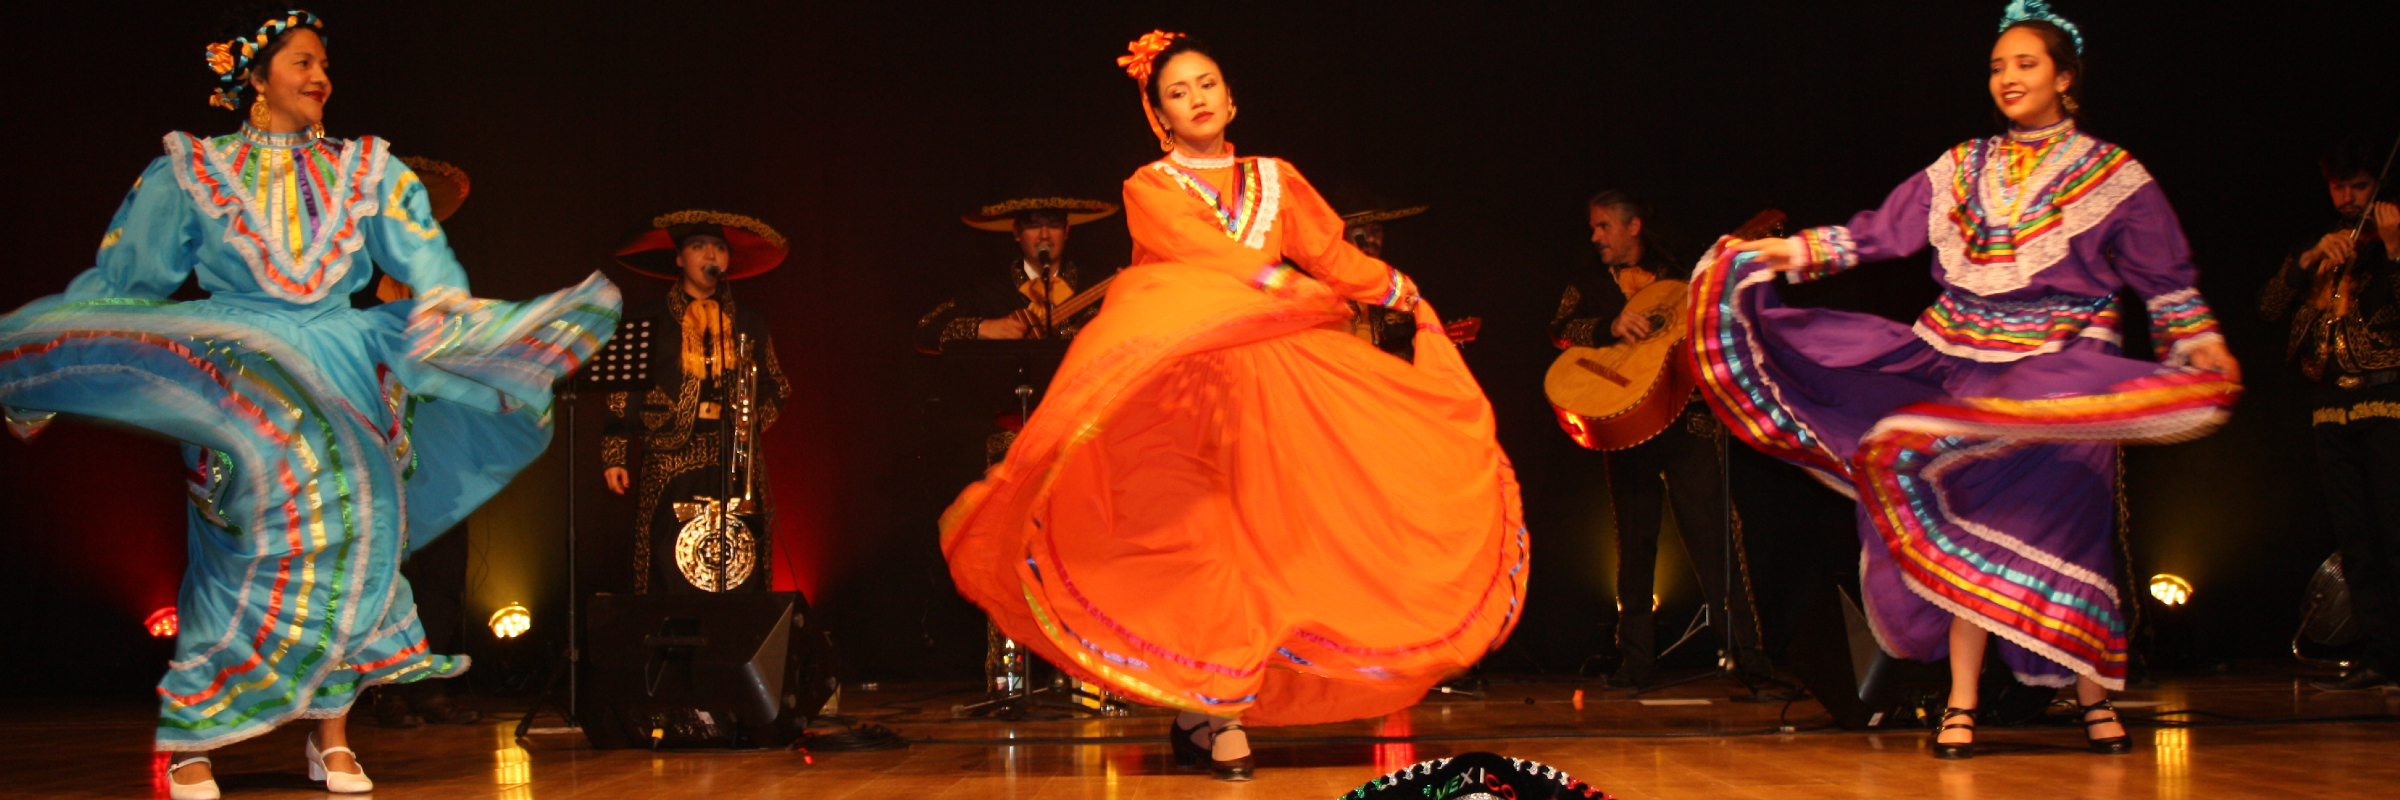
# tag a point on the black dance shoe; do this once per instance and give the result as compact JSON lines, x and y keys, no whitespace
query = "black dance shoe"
{"x":1954,"y":752}
{"x":2117,"y":745}
{"x":1188,"y":754}
{"x":1237,"y":770}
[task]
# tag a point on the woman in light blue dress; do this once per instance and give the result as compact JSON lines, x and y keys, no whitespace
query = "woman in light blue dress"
{"x":324,"y":442}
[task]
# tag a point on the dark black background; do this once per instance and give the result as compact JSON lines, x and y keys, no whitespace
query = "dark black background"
{"x":863,"y":130}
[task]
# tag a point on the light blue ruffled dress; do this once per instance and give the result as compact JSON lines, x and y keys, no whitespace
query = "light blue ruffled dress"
{"x":325,"y":442}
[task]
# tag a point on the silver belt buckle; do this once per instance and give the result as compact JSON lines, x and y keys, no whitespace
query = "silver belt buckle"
{"x":2349,"y":381}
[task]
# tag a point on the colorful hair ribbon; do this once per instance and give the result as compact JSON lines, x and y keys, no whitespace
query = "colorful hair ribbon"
{"x":2039,"y":10}
{"x":230,"y":59}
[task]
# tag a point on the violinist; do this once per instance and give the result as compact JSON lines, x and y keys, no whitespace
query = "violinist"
{"x":1036,"y":295}
{"x":2342,"y":293}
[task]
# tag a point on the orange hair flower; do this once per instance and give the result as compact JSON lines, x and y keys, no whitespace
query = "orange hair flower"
{"x":1142,"y":50}
{"x":1138,"y":64}
{"x":220,"y":57}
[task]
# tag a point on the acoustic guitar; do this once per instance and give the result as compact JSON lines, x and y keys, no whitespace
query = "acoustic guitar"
{"x":1615,"y":397}
{"x":1063,"y":303}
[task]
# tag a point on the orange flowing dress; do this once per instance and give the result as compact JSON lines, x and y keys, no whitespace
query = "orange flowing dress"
{"x":1229,"y":504}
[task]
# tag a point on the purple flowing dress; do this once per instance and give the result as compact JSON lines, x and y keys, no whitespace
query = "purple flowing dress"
{"x":1981,"y":441}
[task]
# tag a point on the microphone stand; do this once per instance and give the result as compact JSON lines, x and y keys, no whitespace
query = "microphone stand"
{"x":565,"y":391}
{"x":1049,"y":267}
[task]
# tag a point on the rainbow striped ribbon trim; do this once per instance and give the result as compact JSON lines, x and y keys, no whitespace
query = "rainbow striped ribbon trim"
{"x":2042,"y":325}
{"x":1990,"y":239}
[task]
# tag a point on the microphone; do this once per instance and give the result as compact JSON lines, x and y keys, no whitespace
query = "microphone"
{"x":1041,"y":252}
{"x":714,"y":270}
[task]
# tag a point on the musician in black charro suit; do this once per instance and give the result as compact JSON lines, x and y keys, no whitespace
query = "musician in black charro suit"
{"x":1680,"y":463}
{"x":2342,"y":295}
{"x":679,"y":419}
{"x":1364,"y":215}
{"x":998,"y":305}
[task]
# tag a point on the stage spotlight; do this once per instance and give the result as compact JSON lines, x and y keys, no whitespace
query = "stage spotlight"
{"x":2172,"y":590}
{"x":511,"y":621}
{"x":161,"y":622}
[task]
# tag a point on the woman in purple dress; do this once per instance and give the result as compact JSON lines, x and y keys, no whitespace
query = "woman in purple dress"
{"x":1981,"y":441}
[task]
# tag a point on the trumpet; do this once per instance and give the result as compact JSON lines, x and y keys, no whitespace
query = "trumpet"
{"x":715,"y":549}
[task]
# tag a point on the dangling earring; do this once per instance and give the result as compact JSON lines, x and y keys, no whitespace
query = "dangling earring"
{"x":316,"y":131}
{"x":260,"y":117}
{"x":1167,"y":142}
{"x":2073,"y":107}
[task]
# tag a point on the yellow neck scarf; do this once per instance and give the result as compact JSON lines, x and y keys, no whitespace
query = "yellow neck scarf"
{"x":706,"y":350}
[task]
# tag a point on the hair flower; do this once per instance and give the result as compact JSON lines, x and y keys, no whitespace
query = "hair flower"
{"x":220,"y":57}
{"x":1141,"y":51}
{"x":231,"y":58}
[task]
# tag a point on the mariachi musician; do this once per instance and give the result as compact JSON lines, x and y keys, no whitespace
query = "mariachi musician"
{"x":708,"y":351}
{"x":1391,"y":331}
{"x":1681,"y":462}
{"x":2341,"y":291}
{"x":1021,"y":300}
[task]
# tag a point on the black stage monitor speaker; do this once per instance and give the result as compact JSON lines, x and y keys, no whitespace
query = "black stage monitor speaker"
{"x":703,"y":670}
{"x":1835,"y":655}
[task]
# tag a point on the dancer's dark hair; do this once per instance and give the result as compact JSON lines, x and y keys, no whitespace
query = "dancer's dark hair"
{"x":1182,"y":45}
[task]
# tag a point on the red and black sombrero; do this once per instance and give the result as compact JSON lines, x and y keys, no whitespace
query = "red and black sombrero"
{"x":756,"y":247}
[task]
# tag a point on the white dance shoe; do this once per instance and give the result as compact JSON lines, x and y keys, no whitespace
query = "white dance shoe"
{"x":335,"y":782}
{"x":204,"y":790}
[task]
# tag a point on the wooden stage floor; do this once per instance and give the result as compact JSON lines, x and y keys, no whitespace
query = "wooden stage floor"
{"x":2246,"y":745}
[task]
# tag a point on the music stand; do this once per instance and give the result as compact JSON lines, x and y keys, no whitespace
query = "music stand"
{"x":624,"y":363}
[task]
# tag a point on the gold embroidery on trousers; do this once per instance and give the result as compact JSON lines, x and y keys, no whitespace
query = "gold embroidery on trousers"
{"x":2370,"y":409}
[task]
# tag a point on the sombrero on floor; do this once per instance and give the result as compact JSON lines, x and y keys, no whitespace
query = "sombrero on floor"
{"x":756,"y":247}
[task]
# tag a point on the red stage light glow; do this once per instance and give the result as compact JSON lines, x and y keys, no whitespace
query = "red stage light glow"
{"x":1395,"y":756}
{"x":161,"y":622}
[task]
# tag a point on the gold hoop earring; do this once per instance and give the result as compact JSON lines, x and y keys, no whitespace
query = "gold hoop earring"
{"x":260,"y":116}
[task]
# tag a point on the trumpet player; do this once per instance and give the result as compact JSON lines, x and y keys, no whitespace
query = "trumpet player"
{"x":701,"y":521}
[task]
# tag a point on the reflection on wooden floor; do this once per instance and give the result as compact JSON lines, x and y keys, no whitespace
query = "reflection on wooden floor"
{"x":1711,"y":749}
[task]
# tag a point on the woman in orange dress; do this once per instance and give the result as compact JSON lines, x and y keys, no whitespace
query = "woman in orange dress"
{"x":1227,"y":504}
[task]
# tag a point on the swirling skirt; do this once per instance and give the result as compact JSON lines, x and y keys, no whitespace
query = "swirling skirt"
{"x":1229,"y":504}
{"x":1985,"y":490}
{"x":318,"y":446}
